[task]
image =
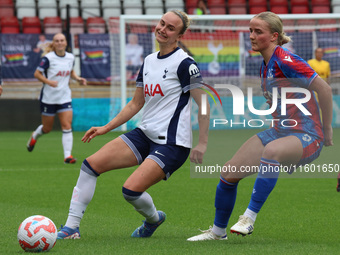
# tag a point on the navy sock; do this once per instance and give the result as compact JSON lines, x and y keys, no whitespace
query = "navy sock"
{"x":264,"y":184}
{"x":224,"y":202}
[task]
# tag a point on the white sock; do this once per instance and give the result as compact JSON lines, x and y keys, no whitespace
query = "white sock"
{"x":219,"y":231}
{"x":81,"y":196}
{"x":38,"y":132}
{"x":67,"y":140}
{"x":251,"y":214}
{"x":145,"y":206}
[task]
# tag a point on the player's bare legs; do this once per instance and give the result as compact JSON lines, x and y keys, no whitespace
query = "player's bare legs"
{"x":65,"y":118}
{"x":287,"y":150}
{"x":44,"y":128}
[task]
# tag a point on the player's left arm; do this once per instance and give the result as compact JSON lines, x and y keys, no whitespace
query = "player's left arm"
{"x":324,"y":92}
{"x":198,"y":151}
{"x":79,"y":79}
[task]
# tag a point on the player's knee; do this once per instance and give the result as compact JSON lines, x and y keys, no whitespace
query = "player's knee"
{"x":130,"y":195}
{"x":271,"y":152}
{"x":230,"y":172}
{"x":46,"y":129}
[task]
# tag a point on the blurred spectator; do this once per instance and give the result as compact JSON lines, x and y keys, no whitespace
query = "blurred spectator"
{"x":42,"y":44}
{"x":201,"y":8}
{"x":134,"y":56}
{"x":319,"y":65}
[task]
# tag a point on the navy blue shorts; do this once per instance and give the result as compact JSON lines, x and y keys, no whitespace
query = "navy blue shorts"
{"x":168,"y":157}
{"x":311,"y":145}
{"x":52,"y":109}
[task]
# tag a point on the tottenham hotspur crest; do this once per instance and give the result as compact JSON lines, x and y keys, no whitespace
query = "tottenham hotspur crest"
{"x":165,"y":72}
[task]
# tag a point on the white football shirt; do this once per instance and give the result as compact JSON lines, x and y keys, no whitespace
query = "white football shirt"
{"x":167,"y":81}
{"x":58,"y":69}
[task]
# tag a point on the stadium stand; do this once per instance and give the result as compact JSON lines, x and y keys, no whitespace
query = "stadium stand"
{"x":237,"y":10}
{"x":9,"y":25}
{"x":95,"y":25}
{"x":90,"y":8}
{"x":25,"y":8}
{"x":111,"y":8}
{"x":47,"y":8}
{"x":174,"y":5}
{"x":153,"y":7}
{"x":216,"y":4}
{"x":133,"y":7}
{"x":217,"y":10}
{"x":31,"y":25}
{"x":74,"y":8}
{"x":77,"y":25}
{"x":327,"y":22}
{"x":6,"y":8}
{"x":52,"y":25}
{"x":300,"y":9}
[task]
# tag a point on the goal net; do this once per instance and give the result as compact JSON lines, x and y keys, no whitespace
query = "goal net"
{"x":221,"y":47}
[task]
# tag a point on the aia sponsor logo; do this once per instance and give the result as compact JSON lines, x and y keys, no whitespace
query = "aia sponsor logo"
{"x":152,"y":90}
{"x":63,"y":73}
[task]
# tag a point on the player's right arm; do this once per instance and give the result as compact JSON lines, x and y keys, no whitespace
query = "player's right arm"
{"x":324,"y":92}
{"x":130,"y":110}
{"x":39,"y":75}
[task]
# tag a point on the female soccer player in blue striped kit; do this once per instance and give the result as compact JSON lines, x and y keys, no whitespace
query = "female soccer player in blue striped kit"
{"x":297,"y":145}
{"x":167,"y":81}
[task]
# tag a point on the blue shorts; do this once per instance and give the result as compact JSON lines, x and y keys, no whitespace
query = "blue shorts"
{"x":168,"y":157}
{"x":52,"y":109}
{"x":311,"y":145}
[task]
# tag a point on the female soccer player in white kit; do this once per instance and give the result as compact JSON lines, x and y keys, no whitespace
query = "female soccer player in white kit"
{"x":161,"y":144}
{"x":55,"y":71}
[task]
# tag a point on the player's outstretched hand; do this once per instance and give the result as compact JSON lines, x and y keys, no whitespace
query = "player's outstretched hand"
{"x":197,"y":153}
{"x":82,"y":81}
{"x":93,"y":132}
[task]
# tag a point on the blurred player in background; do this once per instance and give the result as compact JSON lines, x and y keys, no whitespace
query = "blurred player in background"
{"x":55,"y":71}
{"x":296,"y":144}
{"x":161,"y":144}
{"x":322,"y":67}
{"x":134,"y":56}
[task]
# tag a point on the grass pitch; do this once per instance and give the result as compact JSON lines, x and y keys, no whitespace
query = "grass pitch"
{"x":301,"y":216}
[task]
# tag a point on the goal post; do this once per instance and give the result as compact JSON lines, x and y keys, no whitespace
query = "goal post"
{"x":221,"y":47}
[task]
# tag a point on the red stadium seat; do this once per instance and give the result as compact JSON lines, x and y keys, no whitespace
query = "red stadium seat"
{"x":253,"y":3}
{"x":308,"y":23}
{"x":191,"y":10}
{"x":300,"y":9}
{"x":257,"y":9}
{"x":216,"y":3}
{"x":321,"y":9}
{"x":279,"y":9}
{"x":10,"y":25}
{"x":113,"y":25}
{"x":218,"y":10}
{"x":237,"y":10}
{"x":299,"y":2}
{"x":241,"y":26}
{"x":52,"y":25}
{"x":320,"y":2}
{"x":288,"y":25}
{"x":278,"y":3}
{"x":96,"y":25}
{"x":77,"y":25}
{"x":137,"y":29}
{"x":232,"y":3}
{"x":323,"y":23}
{"x":6,"y":8}
{"x":191,"y":4}
{"x":31,"y":25}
